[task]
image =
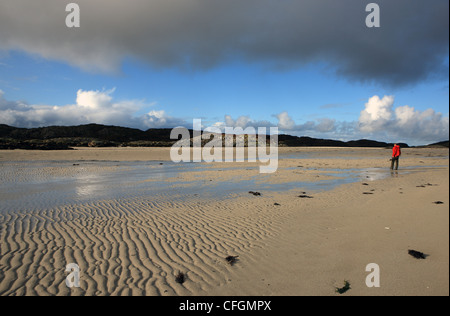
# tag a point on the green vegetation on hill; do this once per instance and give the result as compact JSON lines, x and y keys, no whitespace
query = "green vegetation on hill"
{"x":96,"y":135}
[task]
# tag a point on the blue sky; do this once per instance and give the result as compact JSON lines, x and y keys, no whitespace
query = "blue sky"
{"x":312,"y":87}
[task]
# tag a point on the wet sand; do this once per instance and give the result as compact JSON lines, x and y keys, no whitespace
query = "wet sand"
{"x":287,"y":245}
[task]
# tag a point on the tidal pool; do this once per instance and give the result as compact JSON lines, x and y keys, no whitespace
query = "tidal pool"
{"x":38,"y":185}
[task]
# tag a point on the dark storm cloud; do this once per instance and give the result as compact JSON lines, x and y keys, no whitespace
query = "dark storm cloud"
{"x":411,"y":44}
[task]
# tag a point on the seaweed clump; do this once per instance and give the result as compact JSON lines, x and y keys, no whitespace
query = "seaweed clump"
{"x":180,"y":277}
{"x":231,"y":259}
{"x":344,"y":289}
{"x":417,"y":254}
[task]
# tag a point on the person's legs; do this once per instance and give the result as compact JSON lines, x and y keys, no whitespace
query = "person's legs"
{"x":395,"y":161}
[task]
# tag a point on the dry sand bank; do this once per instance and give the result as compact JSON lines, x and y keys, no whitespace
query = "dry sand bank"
{"x":163,"y":154}
{"x":88,"y":154}
{"x":335,"y":235}
{"x":303,"y":246}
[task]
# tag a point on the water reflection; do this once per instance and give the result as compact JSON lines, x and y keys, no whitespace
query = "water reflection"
{"x":89,"y":185}
{"x":394,"y":173}
{"x":93,"y":181}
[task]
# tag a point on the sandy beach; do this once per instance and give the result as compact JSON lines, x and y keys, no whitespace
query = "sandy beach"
{"x":132,"y":220}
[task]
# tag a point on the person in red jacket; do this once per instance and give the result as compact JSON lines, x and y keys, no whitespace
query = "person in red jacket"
{"x":396,"y":153}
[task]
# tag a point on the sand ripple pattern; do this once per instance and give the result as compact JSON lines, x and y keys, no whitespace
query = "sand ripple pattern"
{"x":132,"y":246}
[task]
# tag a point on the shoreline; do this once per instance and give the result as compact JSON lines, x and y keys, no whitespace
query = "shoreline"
{"x":302,"y":246}
{"x":163,"y":153}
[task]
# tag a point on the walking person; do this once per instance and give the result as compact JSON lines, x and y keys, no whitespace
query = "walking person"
{"x":396,"y":153}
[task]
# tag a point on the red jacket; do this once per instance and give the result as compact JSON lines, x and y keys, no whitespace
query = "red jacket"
{"x":396,"y":152}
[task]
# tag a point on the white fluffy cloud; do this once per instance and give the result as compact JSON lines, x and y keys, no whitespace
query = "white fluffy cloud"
{"x":377,"y":114}
{"x":380,"y":119}
{"x":243,"y":122}
{"x":285,"y":122}
{"x":90,"y":107}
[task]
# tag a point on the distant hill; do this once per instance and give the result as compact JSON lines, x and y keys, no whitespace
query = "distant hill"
{"x":91,"y":135}
{"x":443,"y":144}
{"x":294,"y":141}
{"x":96,"y":135}
{"x":94,"y":131}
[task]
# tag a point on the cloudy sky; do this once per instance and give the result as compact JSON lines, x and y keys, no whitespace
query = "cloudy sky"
{"x":310,"y":67}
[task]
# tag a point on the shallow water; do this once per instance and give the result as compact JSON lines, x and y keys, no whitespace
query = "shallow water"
{"x":33,"y":187}
{"x":43,"y":185}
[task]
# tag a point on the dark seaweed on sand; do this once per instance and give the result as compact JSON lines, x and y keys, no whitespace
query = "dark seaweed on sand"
{"x":255,"y":193}
{"x":180,"y":277}
{"x":344,"y":289}
{"x":417,"y":254}
{"x":231,"y":259}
